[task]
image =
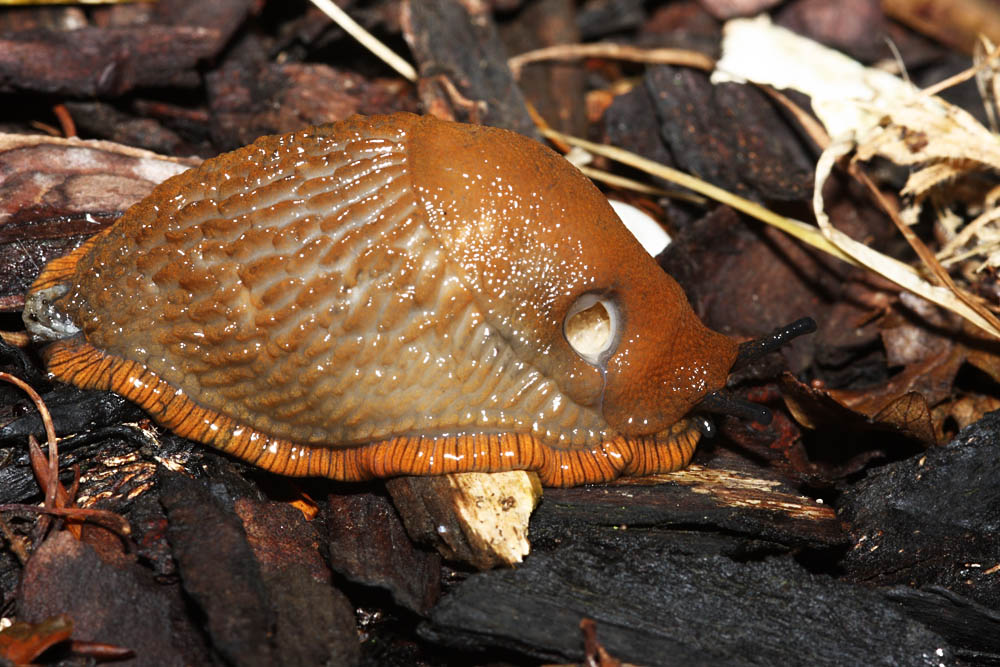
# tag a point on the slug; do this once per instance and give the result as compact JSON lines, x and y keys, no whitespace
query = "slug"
{"x":391,"y":295}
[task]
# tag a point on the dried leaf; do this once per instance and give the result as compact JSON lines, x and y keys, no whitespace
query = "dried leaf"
{"x":888,"y":267}
{"x":926,"y":130}
{"x":986,"y":359}
{"x":910,"y":415}
{"x":966,"y":410}
{"x":874,"y":113}
{"x":22,"y":642}
{"x":756,"y":50}
{"x":815,"y":408}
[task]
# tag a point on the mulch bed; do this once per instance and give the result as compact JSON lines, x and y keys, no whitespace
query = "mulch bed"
{"x":862,"y":526}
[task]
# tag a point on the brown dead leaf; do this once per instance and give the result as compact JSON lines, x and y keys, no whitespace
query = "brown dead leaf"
{"x":964,"y":411}
{"x":929,"y":346}
{"x":931,"y":378}
{"x":910,"y":340}
{"x":910,"y":415}
{"x":22,"y":642}
{"x":907,"y":414}
{"x":981,"y":353}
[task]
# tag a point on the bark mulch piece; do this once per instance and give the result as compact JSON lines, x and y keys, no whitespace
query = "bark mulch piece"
{"x":933,"y":519}
{"x":55,"y":193}
{"x":162,"y":49}
{"x":728,"y":134}
{"x":218,"y":571}
{"x":314,"y":621}
{"x":729,"y":497}
{"x":103,"y":61}
{"x":856,"y":27}
{"x":463,"y":66}
{"x":250,"y":100}
{"x":285,"y":613}
{"x":656,"y":607}
{"x":106,"y":447}
{"x":555,"y":90}
{"x":114,"y":605}
{"x":74,"y":411}
{"x":963,"y":622}
{"x":106,"y":120}
{"x":368,"y":544}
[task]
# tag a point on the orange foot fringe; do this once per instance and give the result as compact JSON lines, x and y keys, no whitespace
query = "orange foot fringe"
{"x":76,"y":362}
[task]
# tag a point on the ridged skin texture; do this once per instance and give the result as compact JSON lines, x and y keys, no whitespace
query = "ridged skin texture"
{"x":380,"y":296}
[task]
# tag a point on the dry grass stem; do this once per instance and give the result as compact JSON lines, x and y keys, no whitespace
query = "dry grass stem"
{"x":804,"y":232}
{"x":624,"y":183}
{"x":888,"y":267}
{"x":570,"y":52}
{"x":366,"y":39}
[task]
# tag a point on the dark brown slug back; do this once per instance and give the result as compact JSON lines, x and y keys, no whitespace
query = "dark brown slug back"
{"x":383,"y":296}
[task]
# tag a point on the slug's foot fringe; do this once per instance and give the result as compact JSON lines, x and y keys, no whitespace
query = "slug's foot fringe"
{"x":664,"y":452}
{"x":490,"y":452}
{"x":72,"y":360}
{"x":77,"y":362}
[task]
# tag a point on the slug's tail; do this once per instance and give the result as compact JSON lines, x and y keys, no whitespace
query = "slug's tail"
{"x":60,"y":271}
{"x":42,"y":317}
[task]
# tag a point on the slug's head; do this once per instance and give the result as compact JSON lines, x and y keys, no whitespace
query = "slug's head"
{"x":594,"y":326}
{"x":657,"y":359}
{"x":563,"y":281}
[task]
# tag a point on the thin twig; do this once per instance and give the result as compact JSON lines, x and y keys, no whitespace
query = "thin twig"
{"x":100,"y":652}
{"x":542,"y":125}
{"x":50,"y":429}
{"x":958,"y":78}
{"x":65,"y":120}
{"x":52,"y":481}
{"x":58,"y":501}
{"x":638,"y":186}
{"x":984,"y":249}
{"x":105,"y":518}
{"x":16,"y":544}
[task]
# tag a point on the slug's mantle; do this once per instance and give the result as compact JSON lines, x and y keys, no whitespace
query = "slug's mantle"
{"x":383,"y":296}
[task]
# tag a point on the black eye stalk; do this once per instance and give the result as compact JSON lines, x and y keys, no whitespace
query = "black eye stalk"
{"x":719,"y":403}
{"x":754,"y":349}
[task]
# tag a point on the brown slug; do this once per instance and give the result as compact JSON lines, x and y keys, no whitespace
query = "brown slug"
{"x":391,"y":295}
